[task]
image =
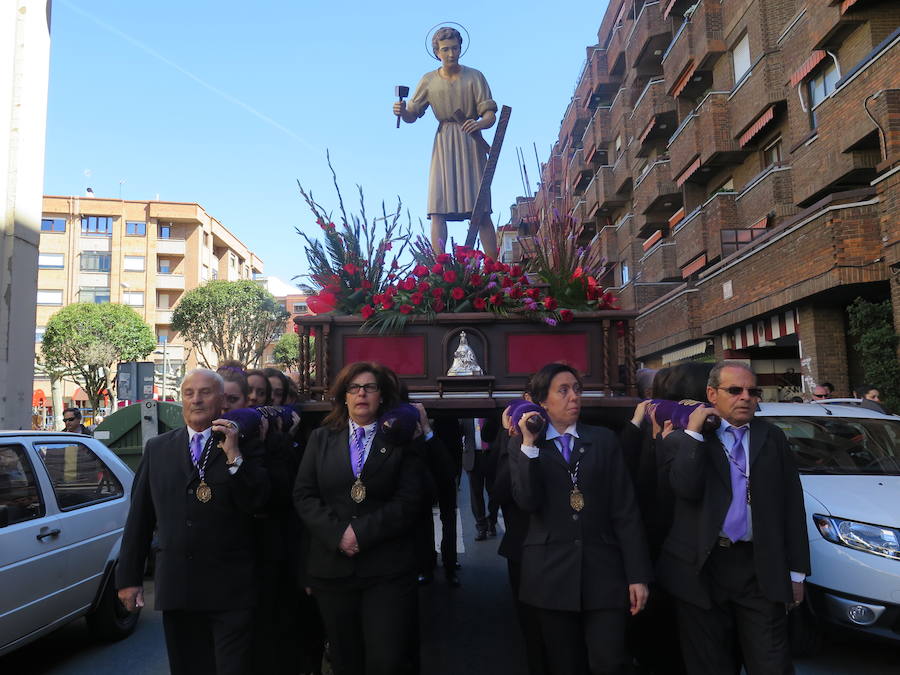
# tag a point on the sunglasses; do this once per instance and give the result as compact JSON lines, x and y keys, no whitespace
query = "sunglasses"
{"x":753,"y":392}
{"x":69,"y":419}
{"x":369,"y":388}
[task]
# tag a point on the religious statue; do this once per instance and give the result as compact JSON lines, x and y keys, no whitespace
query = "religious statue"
{"x":461,"y":100}
{"x":464,"y":362}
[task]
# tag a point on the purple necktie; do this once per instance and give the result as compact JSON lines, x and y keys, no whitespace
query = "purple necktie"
{"x":357,"y":449}
{"x":566,"y":442}
{"x":735,"y":525}
{"x":196,"y":448}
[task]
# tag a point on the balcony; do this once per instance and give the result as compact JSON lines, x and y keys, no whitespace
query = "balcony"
{"x":705,"y":134}
{"x":170,"y":282}
{"x":654,"y":190}
{"x":171,"y":353}
{"x":551,"y":170}
{"x":615,"y":50}
{"x":171,"y":246}
{"x":600,"y":193}
{"x":580,"y":173}
{"x":574,"y":121}
{"x":768,"y":197}
{"x":621,"y":173}
{"x":603,"y":85}
{"x":620,"y":113}
{"x":173,"y":212}
{"x":649,"y":36}
{"x":653,"y":117}
{"x":596,"y":137}
{"x":762,"y":86}
{"x":698,"y":233}
{"x":164,"y":316}
{"x":698,"y":43}
{"x":658,"y":264}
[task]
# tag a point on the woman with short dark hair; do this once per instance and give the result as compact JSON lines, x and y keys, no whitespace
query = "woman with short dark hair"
{"x":260,"y":392}
{"x":584,"y":559}
{"x":358,"y":495}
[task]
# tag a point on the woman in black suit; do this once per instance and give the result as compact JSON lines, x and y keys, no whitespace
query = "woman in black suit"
{"x":359,"y":497}
{"x":584,"y":559}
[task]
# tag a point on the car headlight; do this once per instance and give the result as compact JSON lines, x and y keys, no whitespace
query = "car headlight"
{"x":877,"y":539}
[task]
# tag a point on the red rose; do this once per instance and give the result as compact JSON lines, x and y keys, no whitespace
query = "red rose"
{"x":442,"y":258}
{"x":501,"y":267}
{"x":391,"y":276}
{"x":387,"y":303}
{"x":449,"y":276}
{"x":438,"y":305}
{"x":377,"y":298}
{"x":496,"y":298}
{"x":366,"y":284}
{"x":549,"y":303}
{"x":566,"y":314}
{"x":390,"y":291}
{"x":437,"y":292}
{"x":457,"y":293}
{"x":405,"y":309}
{"x":506,"y":282}
{"x":408,"y":284}
{"x":424,"y":286}
{"x":488,"y":266}
{"x":516,"y":271}
{"x":524,"y":280}
{"x":480,"y":304}
{"x":367,"y":312}
{"x":516,"y":292}
{"x":420,"y":271}
{"x":350,"y":269}
{"x":437,"y":268}
{"x":416,"y":298}
{"x":533,"y":293}
{"x":578,"y":272}
{"x":475,"y":280}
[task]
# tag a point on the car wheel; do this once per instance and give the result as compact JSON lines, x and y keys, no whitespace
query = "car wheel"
{"x":110,"y":620}
{"x":805,"y":631}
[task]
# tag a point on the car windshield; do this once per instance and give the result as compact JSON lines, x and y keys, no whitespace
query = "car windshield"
{"x":843,"y":445}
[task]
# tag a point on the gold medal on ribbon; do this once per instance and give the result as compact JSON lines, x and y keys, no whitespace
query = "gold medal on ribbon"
{"x":576,"y":499}
{"x":204,"y":492}
{"x":358,"y":491}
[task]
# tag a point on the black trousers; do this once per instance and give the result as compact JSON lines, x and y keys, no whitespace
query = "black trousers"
{"x":587,"y":642}
{"x":425,"y":553}
{"x":652,"y":637}
{"x":477,"y":486}
{"x":739,"y":611}
{"x":214,"y":643}
{"x":371,"y":623}
{"x":530,"y":623}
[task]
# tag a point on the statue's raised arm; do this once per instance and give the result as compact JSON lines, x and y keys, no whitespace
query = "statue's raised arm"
{"x":461,"y":100}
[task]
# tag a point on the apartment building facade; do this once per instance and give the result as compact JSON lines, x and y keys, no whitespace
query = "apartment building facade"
{"x":145,"y":254}
{"x":739,"y":160}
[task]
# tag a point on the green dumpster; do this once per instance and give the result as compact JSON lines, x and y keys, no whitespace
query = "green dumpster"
{"x":123,"y":431}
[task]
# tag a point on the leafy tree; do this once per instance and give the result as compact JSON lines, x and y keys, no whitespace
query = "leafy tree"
{"x":287,"y":351}
{"x":57,"y":374}
{"x":89,"y":339}
{"x":235,"y":318}
{"x":872,"y":324}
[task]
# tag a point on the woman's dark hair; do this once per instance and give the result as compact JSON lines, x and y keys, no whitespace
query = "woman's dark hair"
{"x":684,"y":381}
{"x":262,"y":374}
{"x":285,"y":382}
{"x":230,"y":366}
{"x":384,"y":377}
{"x":539,"y":385}
{"x":237,"y":377}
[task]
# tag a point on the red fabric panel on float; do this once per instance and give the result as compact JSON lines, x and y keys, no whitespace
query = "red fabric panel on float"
{"x":405,"y":354}
{"x":526,"y":353}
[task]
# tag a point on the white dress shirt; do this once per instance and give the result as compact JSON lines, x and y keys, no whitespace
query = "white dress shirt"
{"x":369,"y":437}
{"x":552,"y":435}
{"x":205,"y":434}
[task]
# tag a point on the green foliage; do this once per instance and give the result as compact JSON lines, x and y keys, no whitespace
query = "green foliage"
{"x":287,"y":351}
{"x":86,"y":340}
{"x":873,"y":326}
{"x":235,"y":318}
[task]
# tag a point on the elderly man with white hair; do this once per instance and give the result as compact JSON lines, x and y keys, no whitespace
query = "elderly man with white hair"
{"x":199,"y":492}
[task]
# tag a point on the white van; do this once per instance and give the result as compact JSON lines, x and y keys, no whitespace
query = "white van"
{"x":849,"y":461}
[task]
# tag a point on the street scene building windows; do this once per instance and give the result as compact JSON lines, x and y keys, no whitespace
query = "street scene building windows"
{"x":98,"y":226}
{"x":772,"y":153}
{"x":135,"y":228}
{"x":95,"y":294}
{"x":95,"y":261}
{"x":53,"y":224}
{"x":51,"y":261}
{"x":133,"y":298}
{"x":133,"y":263}
{"x":165,"y":232}
{"x":820,"y":87}
{"x":740,"y":58}
{"x":164,"y":266}
{"x":49,"y":297}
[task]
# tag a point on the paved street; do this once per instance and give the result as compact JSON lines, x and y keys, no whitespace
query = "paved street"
{"x":465,"y":631}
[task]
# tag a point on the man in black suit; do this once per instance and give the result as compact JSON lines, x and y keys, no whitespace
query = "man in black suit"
{"x":476,"y":461}
{"x":200,"y":496}
{"x":737,"y":553}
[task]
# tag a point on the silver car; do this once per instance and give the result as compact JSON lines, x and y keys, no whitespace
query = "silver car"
{"x":63,"y":503}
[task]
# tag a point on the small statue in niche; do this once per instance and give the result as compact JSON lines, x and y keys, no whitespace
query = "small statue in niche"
{"x":464,"y":361}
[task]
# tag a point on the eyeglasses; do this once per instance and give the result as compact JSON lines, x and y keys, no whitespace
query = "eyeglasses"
{"x":69,"y":419}
{"x":753,"y":392}
{"x":820,"y":395}
{"x":369,"y":388}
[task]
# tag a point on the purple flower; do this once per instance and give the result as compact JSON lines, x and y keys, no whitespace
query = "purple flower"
{"x":549,"y":321}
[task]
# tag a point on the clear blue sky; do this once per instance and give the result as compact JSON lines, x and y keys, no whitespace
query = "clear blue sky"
{"x":227,"y":103}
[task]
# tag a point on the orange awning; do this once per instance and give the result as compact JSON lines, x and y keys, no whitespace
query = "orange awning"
{"x":79,"y":395}
{"x":647,"y":130}
{"x":687,"y":172}
{"x":652,"y":239}
{"x":682,"y":81}
{"x":757,"y":126}
{"x":668,"y":8}
{"x":677,"y":217}
{"x":692,"y":267}
{"x":38,"y":398}
{"x":814,"y":59}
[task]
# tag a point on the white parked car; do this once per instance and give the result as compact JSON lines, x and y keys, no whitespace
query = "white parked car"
{"x":63,"y":503}
{"x":849,"y":460}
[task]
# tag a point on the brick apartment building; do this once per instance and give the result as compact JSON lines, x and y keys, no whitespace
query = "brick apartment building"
{"x":145,"y":254}
{"x":740,"y":160}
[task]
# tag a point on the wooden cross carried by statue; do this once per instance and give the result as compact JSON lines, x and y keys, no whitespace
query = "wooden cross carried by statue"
{"x":484,"y":190}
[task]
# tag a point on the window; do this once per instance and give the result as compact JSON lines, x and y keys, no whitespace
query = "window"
{"x":205,"y":240}
{"x":618,"y":145}
{"x":39,"y":333}
{"x":20,"y":498}
{"x":133,"y":298}
{"x":165,"y":232}
{"x":133,"y":263}
{"x":100,"y":226}
{"x":135,"y":228}
{"x":48,"y":297}
{"x":53,"y":224}
{"x":77,"y":475}
{"x":51,"y":261}
{"x":300,"y":308}
{"x":163,"y":301}
{"x":162,"y":335}
{"x":740,"y":58}
{"x":626,"y":274}
{"x":821,"y":87}
{"x":95,"y":261}
{"x":772,"y":153}
{"x":96,"y":294}
{"x":165,"y":266}
{"x":204,"y":273}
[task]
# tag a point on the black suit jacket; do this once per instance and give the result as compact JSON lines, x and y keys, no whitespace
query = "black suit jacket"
{"x":579,"y":561}
{"x":205,"y":556}
{"x":383,"y":522}
{"x":514,"y":517}
{"x":701,"y":481}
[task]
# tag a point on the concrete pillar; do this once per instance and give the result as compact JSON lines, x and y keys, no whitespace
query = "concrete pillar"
{"x":24,"y":75}
{"x":823,"y":348}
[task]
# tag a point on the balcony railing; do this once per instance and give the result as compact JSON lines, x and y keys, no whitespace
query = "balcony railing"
{"x":694,"y":49}
{"x":654,"y":188}
{"x":580,"y":173}
{"x":171,"y":246}
{"x":164,"y":316}
{"x":658,"y":264}
{"x":704,"y":134}
{"x":596,"y":135}
{"x":649,"y":36}
{"x":600,"y":193}
{"x":759,"y":88}
{"x":698,"y":233}
{"x":769,"y":196}
{"x":653,"y":115}
{"x":170,"y":281}
{"x":620,"y":112}
{"x":621,"y":172}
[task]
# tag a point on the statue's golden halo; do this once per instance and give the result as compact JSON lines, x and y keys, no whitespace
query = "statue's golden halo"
{"x":445,"y":24}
